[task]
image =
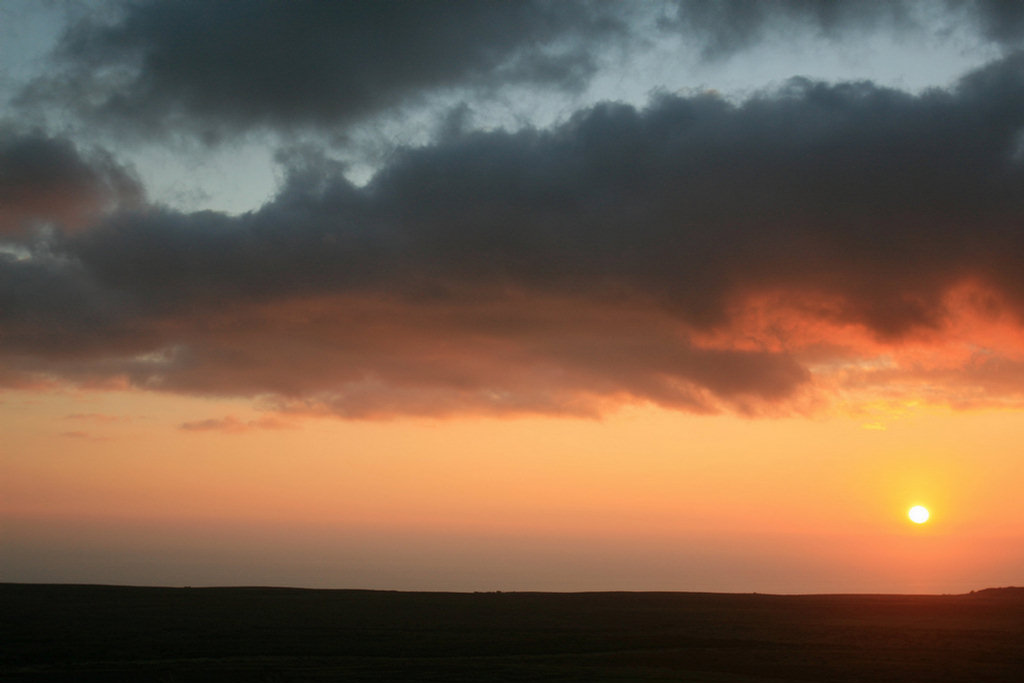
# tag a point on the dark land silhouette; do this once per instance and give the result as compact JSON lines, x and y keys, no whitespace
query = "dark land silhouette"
{"x":117,"y":633}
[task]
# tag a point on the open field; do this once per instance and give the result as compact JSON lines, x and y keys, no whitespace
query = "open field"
{"x":110,"y":633}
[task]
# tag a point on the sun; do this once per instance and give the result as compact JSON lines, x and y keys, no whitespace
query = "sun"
{"x":918,"y":514}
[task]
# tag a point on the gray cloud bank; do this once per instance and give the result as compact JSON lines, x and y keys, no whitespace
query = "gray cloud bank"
{"x":218,"y":69}
{"x":558,"y":271}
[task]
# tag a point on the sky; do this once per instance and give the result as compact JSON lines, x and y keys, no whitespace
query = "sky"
{"x":576,"y":295}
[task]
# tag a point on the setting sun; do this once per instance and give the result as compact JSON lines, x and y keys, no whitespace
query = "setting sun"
{"x":918,"y":514}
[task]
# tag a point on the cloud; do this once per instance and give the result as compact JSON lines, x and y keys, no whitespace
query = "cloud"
{"x":100,"y":418}
{"x":696,"y":254}
{"x":217,"y":70}
{"x":1001,"y":21}
{"x":233,"y":425}
{"x":220,"y":67}
{"x":45,"y":179}
{"x":84,"y":436}
{"x":725,"y":27}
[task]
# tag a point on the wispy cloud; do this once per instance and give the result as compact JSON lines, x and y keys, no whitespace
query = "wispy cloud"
{"x":85,"y":436}
{"x":97,"y":417}
{"x":234,"y":425}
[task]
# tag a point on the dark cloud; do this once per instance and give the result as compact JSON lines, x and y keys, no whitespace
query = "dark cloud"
{"x":724,"y":27}
{"x":1001,"y":21}
{"x":220,"y":67}
{"x":46,"y":179}
{"x":561,"y":270}
{"x":217,"y":69}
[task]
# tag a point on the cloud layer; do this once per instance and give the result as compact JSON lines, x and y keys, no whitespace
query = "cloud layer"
{"x":218,"y":70}
{"x":813,"y":241}
{"x":220,"y":67}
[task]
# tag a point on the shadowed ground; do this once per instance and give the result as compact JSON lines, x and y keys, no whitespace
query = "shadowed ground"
{"x":111,"y":633}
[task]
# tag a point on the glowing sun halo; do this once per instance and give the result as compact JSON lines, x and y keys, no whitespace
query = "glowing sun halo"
{"x":918,"y":514}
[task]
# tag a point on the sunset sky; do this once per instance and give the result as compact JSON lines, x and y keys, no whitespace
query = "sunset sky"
{"x":669,"y":295}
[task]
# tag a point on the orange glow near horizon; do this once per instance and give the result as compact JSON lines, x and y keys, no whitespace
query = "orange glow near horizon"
{"x":698,"y":502}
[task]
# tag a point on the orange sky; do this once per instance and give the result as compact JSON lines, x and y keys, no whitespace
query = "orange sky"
{"x":107,"y":487}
